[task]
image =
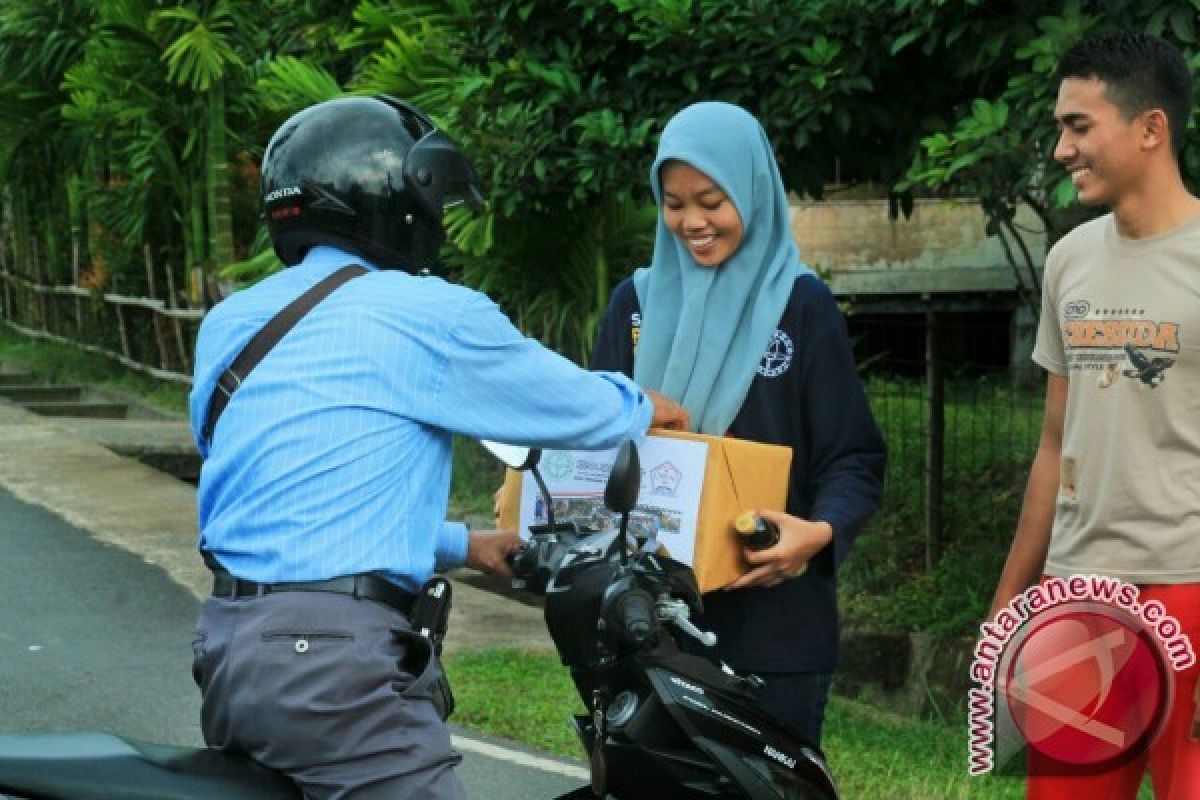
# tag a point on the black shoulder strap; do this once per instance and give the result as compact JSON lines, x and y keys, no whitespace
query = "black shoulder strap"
{"x":265,"y":339}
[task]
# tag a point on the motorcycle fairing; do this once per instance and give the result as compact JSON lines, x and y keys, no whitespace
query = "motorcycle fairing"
{"x":100,"y":766}
{"x":752,"y":747}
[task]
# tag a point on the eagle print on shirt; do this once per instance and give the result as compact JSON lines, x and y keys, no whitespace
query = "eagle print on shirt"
{"x":1118,"y":343}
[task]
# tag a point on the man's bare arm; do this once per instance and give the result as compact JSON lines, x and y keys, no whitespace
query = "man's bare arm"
{"x":1027,"y":556}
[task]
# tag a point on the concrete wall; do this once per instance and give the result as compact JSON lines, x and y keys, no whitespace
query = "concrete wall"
{"x":907,"y":673}
{"x":941,"y":247}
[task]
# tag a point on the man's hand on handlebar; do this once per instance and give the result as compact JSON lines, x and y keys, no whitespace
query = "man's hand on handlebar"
{"x":488,"y":551}
{"x":668,"y":413}
{"x":799,"y":540}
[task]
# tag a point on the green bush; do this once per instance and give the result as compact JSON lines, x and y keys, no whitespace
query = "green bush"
{"x":476,"y":476}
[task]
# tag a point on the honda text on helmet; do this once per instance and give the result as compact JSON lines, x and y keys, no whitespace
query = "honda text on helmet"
{"x":371,"y":175}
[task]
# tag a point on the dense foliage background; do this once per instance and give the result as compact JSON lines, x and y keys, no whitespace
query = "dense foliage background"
{"x":134,"y":122}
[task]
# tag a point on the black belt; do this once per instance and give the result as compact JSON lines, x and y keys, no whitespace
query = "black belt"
{"x":372,"y":587}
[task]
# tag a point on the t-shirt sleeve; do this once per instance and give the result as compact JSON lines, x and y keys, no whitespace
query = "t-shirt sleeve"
{"x":1048,"y":351}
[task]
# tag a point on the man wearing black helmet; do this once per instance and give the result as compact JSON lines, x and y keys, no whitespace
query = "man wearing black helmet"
{"x":326,"y":439}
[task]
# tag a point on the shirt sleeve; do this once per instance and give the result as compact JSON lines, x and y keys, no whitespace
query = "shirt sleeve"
{"x":848,"y":454}
{"x":451,"y":547}
{"x":496,"y":383}
{"x":202,"y":387}
{"x":1048,"y":350}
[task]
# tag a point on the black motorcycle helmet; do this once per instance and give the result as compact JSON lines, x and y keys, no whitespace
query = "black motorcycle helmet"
{"x":371,"y":175}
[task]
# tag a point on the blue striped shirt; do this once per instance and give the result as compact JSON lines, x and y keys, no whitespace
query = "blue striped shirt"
{"x":333,"y":457}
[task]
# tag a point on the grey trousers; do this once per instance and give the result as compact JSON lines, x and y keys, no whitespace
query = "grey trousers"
{"x":323,"y":687}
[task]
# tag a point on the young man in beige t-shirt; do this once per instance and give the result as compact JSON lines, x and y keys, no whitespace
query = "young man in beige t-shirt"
{"x":1115,"y":486}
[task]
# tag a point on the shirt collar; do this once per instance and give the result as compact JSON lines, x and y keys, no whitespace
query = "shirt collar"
{"x":326,"y":258}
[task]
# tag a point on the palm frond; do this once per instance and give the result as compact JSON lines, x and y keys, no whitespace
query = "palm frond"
{"x":201,"y":50}
{"x":291,"y":84}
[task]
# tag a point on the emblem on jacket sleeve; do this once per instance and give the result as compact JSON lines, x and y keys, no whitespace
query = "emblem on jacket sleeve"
{"x":778,"y":358}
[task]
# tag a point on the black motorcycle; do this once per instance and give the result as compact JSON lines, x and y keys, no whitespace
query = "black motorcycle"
{"x":662,"y":722}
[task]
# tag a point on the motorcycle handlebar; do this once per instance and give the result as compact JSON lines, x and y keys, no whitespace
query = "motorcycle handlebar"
{"x":635,"y":610}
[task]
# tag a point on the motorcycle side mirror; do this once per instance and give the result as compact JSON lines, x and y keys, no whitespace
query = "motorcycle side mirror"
{"x":512,"y":456}
{"x":624,"y":480}
{"x":523,"y":459}
{"x":621,"y":492}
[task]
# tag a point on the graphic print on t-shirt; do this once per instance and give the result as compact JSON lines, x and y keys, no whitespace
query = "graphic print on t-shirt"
{"x":1118,"y":343}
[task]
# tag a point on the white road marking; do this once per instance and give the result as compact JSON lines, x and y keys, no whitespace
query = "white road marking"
{"x":519,"y":757}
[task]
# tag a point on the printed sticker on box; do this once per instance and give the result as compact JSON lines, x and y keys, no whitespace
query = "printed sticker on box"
{"x":668,"y":502}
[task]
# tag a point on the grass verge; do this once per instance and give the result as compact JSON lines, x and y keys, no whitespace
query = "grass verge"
{"x":52,"y":362}
{"x":528,"y":696}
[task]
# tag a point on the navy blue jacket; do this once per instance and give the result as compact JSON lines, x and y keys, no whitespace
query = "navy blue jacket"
{"x":807,"y":396}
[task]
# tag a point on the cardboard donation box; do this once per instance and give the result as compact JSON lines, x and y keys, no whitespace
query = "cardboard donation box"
{"x":692,"y":487}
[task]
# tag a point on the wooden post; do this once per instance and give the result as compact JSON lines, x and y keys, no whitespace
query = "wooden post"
{"x":164,"y":360}
{"x":121,"y":329}
{"x":156,"y":320}
{"x":150,"y":283}
{"x":43,"y":321}
{"x":75,"y":283}
{"x":171,"y":297}
{"x":184,"y":358}
{"x":934,"y":439}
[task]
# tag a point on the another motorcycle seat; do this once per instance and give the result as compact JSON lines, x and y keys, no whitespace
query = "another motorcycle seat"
{"x":100,"y":766}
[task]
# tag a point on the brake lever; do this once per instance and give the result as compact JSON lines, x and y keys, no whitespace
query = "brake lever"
{"x":676,"y":612}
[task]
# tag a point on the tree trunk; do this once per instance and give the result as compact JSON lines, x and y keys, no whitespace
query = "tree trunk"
{"x":199,"y":256}
{"x":602,"y":279}
{"x":220,"y":216}
{"x":78,"y":222}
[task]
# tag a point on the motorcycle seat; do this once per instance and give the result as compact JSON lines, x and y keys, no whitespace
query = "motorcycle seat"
{"x":100,"y":766}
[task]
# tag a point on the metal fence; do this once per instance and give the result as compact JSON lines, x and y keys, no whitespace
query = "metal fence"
{"x":961,"y":414}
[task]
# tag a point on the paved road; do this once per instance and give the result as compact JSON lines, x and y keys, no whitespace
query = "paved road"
{"x":93,"y":637}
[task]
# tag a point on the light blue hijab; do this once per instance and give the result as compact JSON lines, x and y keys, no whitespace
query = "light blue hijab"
{"x":704,"y":330}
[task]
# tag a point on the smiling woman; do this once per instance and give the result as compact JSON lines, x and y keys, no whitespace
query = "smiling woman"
{"x":729,"y":321}
{"x":700,"y":214}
